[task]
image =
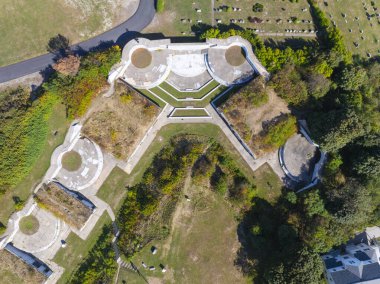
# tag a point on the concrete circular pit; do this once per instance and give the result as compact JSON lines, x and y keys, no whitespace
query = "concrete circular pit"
{"x":141,"y":58}
{"x":235,"y":55}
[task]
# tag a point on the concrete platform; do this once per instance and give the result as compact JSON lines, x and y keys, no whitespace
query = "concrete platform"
{"x":47,"y":240}
{"x":300,"y":157}
{"x":89,"y":171}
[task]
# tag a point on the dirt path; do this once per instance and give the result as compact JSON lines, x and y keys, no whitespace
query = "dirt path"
{"x":183,"y":208}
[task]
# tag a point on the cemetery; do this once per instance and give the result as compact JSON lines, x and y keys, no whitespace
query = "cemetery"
{"x":359,"y":23}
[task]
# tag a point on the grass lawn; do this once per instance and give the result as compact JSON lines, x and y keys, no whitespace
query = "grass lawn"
{"x":183,"y":95}
{"x":201,"y":247}
{"x":27,"y":26}
{"x":77,"y":249}
{"x":57,"y":123}
{"x":181,"y":104}
{"x":368,"y":40}
{"x":71,"y":161}
{"x":268,"y":184}
{"x":189,"y":112}
{"x":153,"y":98}
{"x":113,"y":189}
{"x":29,"y":225}
{"x":169,"y":22}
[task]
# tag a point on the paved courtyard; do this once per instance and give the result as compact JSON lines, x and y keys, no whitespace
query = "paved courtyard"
{"x":300,"y":157}
{"x":46,"y":241}
{"x":90,"y":169}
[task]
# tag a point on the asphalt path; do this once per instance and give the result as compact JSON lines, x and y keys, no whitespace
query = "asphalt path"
{"x":119,"y":34}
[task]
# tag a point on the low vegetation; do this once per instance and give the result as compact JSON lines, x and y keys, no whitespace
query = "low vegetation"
{"x":118,"y":123}
{"x":14,"y":270}
{"x":78,"y":91}
{"x":29,"y":225}
{"x":63,"y":205}
{"x":99,"y":266}
{"x":71,"y":161}
{"x":24,"y":132}
{"x":259,"y":117}
{"x":78,"y":251}
{"x":149,"y":205}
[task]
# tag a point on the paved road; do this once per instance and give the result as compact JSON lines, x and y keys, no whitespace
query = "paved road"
{"x":143,"y":16}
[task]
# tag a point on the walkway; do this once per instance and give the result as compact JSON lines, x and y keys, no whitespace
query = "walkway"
{"x":142,"y":18}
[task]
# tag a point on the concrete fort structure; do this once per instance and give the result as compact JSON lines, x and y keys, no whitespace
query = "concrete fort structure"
{"x":187,"y":66}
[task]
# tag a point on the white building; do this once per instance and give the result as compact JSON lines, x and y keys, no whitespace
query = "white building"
{"x":358,"y":264}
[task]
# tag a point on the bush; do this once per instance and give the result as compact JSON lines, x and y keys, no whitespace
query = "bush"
{"x":258,"y":7}
{"x":77,"y":92}
{"x":160,"y":6}
{"x":288,"y":85}
{"x":3,"y":228}
{"x":280,"y":131}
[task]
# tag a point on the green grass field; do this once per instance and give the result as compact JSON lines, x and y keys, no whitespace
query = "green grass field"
{"x":189,"y":112}
{"x":268,"y":184}
{"x":57,"y":123}
{"x":27,"y":26}
{"x":77,"y":249}
{"x":196,"y":95}
{"x":210,"y":90}
{"x":356,"y":20}
{"x":113,"y":189}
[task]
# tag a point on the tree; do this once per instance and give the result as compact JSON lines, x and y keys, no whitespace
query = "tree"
{"x":68,"y":65}
{"x":366,"y":163}
{"x":313,"y":204}
{"x":288,"y":85}
{"x":351,"y":204}
{"x":307,"y":267}
{"x":59,"y":45}
{"x":258,"y":7}
{"x":343,"y":132}
{"x":352,"y":78}
{"x":317,"y":85}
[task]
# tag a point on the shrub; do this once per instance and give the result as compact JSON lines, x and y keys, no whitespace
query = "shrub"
{"x":2,"y":228}
{"x":160,"y":6}
{"x":24,"y":132}
{"x":280,"y":131}
{"x":289,"y":85}
{"x":257,"y":7}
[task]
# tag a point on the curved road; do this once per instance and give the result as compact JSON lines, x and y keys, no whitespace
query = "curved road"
{"x":119,"y":34}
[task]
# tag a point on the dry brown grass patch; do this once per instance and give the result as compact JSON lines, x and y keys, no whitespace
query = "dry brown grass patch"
{"x":235,"y":55}
{"x":62,"y":205}
{"x":250,"y":121}
{"x":17,"y":269}
{"x":141,"y":58}
{"x":118,"y":123}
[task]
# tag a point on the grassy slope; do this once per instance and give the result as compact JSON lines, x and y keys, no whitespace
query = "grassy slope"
{"x":27,"y":26}
{"x":77,"y":249}
{"x":268,"y":184}
{"x":201,"y":247}
{"x":57,"y":122}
